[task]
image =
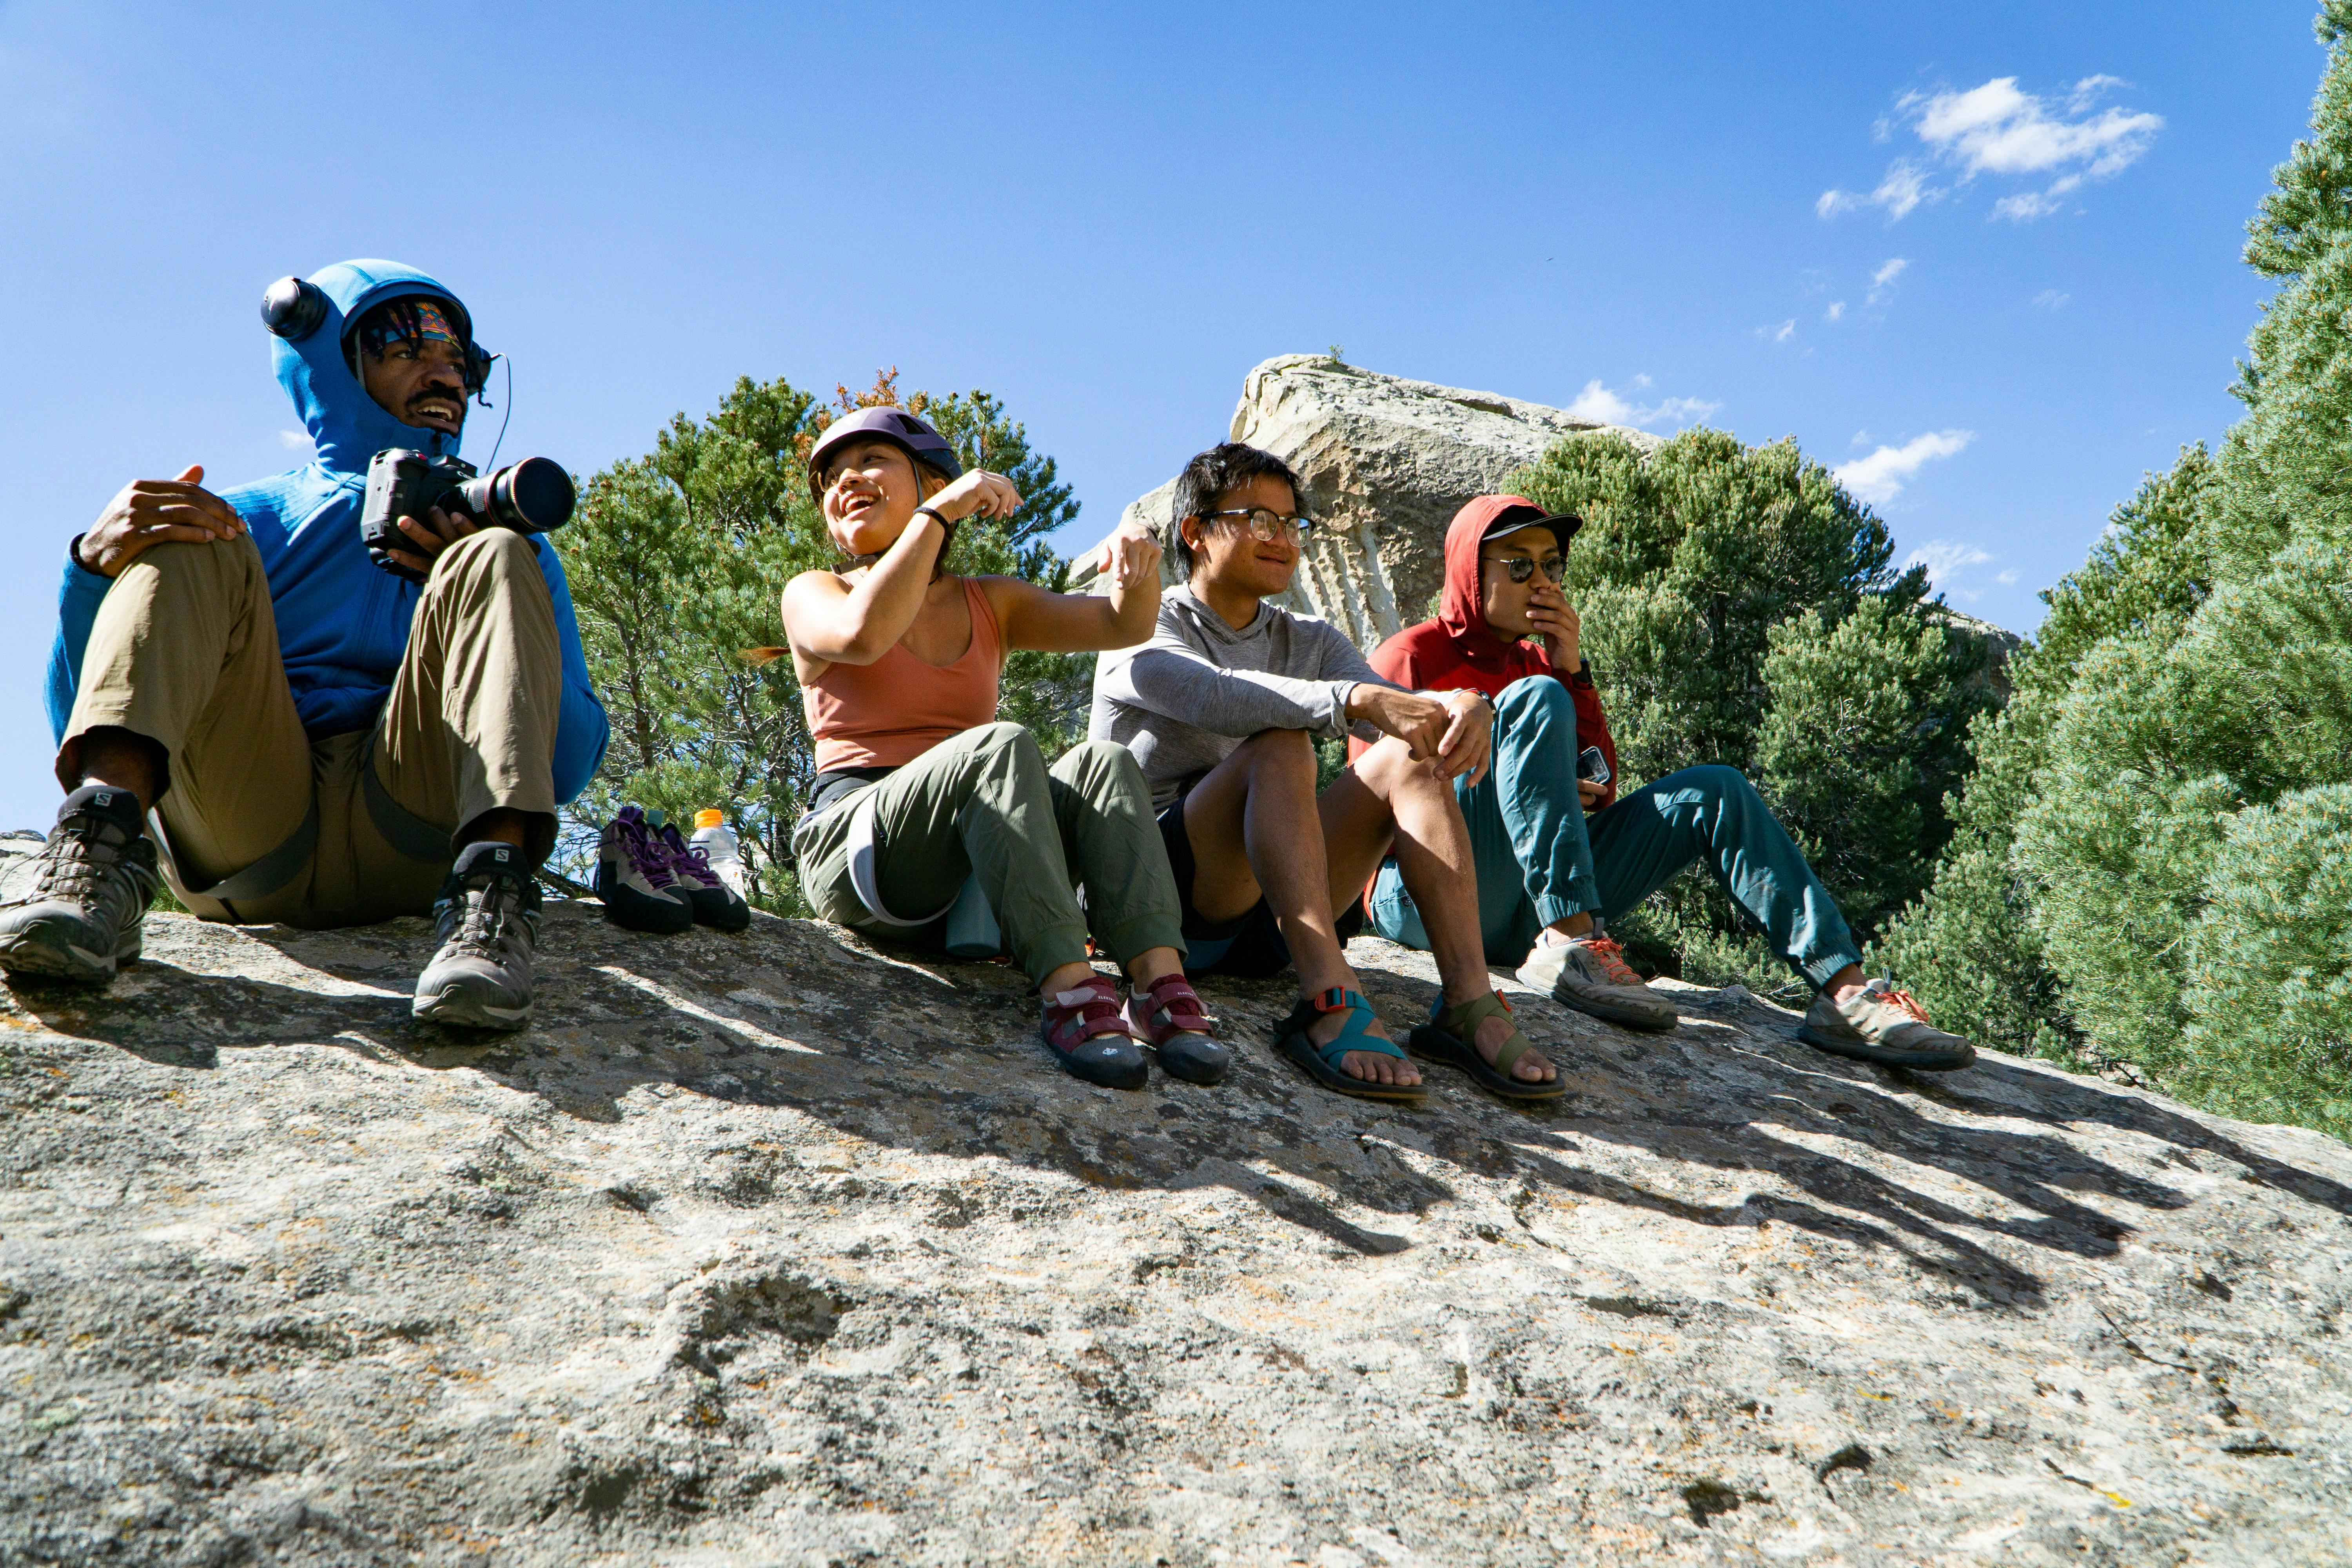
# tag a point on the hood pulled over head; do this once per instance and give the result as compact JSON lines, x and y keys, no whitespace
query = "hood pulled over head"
{"x":346,"y":425}
{"x":1462,"y":611}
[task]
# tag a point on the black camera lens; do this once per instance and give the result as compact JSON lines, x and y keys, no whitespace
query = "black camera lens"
{"x":531,"y":497}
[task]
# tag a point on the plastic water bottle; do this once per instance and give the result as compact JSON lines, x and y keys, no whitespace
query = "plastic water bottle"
{"x":716,"y":842}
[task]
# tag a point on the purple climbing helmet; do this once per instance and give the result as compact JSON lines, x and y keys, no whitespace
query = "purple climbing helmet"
{"x":910,"y":433}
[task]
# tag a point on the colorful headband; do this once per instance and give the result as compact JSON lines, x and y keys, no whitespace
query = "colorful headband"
{"x":405,"y":321}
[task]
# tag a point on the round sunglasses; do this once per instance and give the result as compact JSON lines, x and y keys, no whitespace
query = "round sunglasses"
{"x":1522,"y":567}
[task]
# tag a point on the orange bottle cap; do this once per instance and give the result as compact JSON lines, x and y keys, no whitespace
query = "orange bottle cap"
{"x":709,"y":817}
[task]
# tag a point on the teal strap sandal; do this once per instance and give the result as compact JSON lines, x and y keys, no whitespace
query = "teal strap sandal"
{"x":1322,"y":1062}
{"x":1450,"y":1036}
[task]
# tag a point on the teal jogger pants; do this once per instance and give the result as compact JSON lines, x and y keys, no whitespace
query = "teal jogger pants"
{"x":1539,"y":859}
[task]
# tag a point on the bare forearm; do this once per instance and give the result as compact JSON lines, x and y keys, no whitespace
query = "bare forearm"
{"x":866,"y":621}
{"x":1135,"y":612}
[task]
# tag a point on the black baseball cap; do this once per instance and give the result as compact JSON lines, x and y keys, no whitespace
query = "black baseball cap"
{"x":1518,"y":512}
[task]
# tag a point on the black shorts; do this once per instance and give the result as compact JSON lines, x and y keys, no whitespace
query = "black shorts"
{"x":1250,"y":947}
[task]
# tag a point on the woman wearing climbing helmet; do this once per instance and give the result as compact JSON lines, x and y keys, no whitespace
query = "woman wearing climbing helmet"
{"x":919,"y":789}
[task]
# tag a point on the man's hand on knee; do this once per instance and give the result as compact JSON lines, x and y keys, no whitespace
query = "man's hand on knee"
{"x":1453,"y":730}
{"x":151,"y":511}
{"x":432,"y":537}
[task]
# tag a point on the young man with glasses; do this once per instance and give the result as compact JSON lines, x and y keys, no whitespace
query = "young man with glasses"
{"x":1222,"y":707}
{"x":1549,"y":879}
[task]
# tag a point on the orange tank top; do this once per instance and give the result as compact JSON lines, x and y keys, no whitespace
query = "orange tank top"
{"x":888,"y":714}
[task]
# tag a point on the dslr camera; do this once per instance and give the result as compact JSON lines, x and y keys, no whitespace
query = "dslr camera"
{"x":529,"y":496}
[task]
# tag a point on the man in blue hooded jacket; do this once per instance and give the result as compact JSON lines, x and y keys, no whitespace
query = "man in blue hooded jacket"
{"x":319,"y":741}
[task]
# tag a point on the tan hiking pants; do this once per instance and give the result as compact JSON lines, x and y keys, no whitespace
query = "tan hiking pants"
{"x":184,"y":652}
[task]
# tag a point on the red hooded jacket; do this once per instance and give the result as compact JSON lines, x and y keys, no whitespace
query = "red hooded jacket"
{"x":1459,"y":650}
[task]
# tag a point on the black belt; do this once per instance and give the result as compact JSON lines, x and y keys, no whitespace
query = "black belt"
{"x":837,"y":784}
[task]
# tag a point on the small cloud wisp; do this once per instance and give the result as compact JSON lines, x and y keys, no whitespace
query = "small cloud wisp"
{"x":1880,"y":476}
{"x":1599,"y":403}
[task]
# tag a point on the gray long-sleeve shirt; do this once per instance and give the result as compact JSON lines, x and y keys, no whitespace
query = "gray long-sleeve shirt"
{"x":1182,"y":701}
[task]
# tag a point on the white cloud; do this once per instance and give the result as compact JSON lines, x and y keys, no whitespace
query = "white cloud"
{"x":1903,"y":189}
{"x":2050,"y":299}
{"x":1598,"y":402}
{"x":2002,"y":131}
{"x":1781,"y":333}
{"x":295,"y":440}
{"x":1834,"y":312}
{"x":1880,"y":476}
{"x":1998,"y":130}
{"x":1881,"y":282}
{"x":2086,"y":91}
{"x":2007,"y":579}
{"x":1943,"y":558}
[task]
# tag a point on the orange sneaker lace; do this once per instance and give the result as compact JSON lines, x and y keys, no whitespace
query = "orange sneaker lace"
{"x":1612,"y":961}
{"x":1903,"y":999}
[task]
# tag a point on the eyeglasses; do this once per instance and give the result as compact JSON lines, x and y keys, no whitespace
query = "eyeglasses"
{"x":1266,"y":524}
{"x":1522,"y":567}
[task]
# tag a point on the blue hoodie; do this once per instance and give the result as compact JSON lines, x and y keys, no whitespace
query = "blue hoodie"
{"x":342,"y":621}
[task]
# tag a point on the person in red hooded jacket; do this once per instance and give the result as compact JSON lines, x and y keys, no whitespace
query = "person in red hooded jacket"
{"x":1550,"y":877}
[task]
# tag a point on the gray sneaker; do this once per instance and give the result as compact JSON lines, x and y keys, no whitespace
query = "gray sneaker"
{"x":74,"y":912}
{"x":1882,"y":1024}
{"x":635,"y":881}
{"x":487,"y":921}
{"x":1590,"y":974}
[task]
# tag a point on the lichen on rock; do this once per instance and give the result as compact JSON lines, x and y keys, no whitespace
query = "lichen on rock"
{"x":781,"y":1248}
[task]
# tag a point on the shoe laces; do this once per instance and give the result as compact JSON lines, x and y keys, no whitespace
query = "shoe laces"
{"x":645,"y":851}
{"x":1886,"y":992}
{"x":693,"y":856}
{"x":489,"y":904}
{"x":76,"y":857}
{"x":1611,"y":957}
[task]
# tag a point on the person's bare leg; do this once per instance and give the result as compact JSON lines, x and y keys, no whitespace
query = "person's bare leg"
{"x":1846,"y":983}
{"x":502,"y":825}
{"x":1387,"y":797}
{"x":1152,"y":963}
{"x":1255,"y":832}
{"x":122,"y":759}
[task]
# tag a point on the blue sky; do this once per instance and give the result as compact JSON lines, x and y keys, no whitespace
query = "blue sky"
{"x":1983,"y":258}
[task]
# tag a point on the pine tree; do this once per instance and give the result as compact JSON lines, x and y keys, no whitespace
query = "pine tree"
{"x":2175,"y":769}
{"x":1969,"y":948}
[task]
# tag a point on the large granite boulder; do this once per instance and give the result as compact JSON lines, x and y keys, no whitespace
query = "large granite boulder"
{"x":1387,"y":462}
{"x":778,"y":1249}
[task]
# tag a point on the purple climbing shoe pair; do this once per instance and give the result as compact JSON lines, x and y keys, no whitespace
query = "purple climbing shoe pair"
{"x":650,"y":878}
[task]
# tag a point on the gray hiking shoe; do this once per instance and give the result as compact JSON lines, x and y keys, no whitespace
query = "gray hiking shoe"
{"x":74,"y":912}
{"x":635,"y":881}
{"x":715,"y":904}
{"x":1882,"y":1024}
{"x":1590,"y":974}
{"x":487,"y":921}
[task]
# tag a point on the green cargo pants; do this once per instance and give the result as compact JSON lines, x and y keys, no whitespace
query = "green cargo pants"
{"x":984,"y":803}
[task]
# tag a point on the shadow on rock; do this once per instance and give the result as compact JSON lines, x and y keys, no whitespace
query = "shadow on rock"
{"x":943,"y":1059}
